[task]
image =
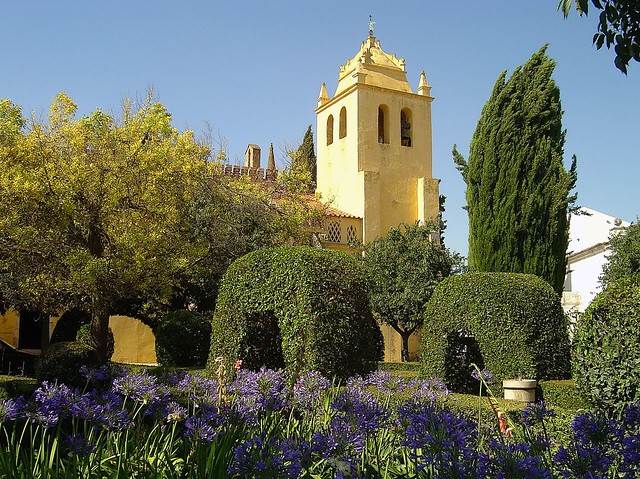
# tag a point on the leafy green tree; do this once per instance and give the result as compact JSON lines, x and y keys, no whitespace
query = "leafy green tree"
{"x":120,"y":216}
{"x":304,"y":161}
{"x":618,"y":25}
{"x":518,"y":190}
{"x":404,"y":266}
{"x":624,"y":258}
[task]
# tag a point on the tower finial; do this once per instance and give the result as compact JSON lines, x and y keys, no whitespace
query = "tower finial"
{"x":372,"y":25}
{"x":323,"y":96}
{"x":271,"y":162}
{"x":423,"y":85}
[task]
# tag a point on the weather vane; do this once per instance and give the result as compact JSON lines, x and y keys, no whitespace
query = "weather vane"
{"x":372,"y":25}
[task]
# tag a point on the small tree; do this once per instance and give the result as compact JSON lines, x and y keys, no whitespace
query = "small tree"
{"x":624,"y":259}
{"x":404,"y":266}
{"x":120,"y":215}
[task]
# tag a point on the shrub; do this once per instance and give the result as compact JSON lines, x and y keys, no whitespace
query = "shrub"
{"x":299,"y":307}
{"x":182,"y":339}
{"x":509,"y":323}
{"x":607,"y":347}
{"x":62,"y":361}
{"x":84,"y":336}
{"x":624,"y":257}
{"x":563,"y":394}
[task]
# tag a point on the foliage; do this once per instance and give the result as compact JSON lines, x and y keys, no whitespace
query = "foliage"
{"x":403,"y":268}
{"x":14,"y":386}
{"x":304,"y":169}
{"x":182,"y":339}
{"x":618,"y":25}
{"x":607,"y":347}
{"x":624,"y":257}
{"x":260,"y":425}
{"x":122,"y":215}
{"x":84,"y":336}
{"x":563,"y":394}
{"x":61,"y":362}
{"x":518,"y":191}
{"x":299,"y":307}
{"x":510,"y":323}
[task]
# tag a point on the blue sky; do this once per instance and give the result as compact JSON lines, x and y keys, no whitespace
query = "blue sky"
{"x":252,"y":71}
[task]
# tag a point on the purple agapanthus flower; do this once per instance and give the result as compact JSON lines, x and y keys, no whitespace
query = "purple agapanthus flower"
{"x":309,"y":388}
{"x":51,"y":403}
{"x":199,"y":390}
{"x":513,"y":461}
{"x":78,"y":445}
{"x":141,"y":387}
{"x":439,"y":439}
{"x":11,"y":409}
{"x":96,"y":375}
{"x":485,"y":375}
{"x":427,"y":389}
{"x":259,"y":392}
{"x":386,"y":383}
{"x":103,"y":409}
{"x":360,"y":408}
{"x":204,"y":425}
{"x":268,"y":457}
{"x":174,"y":412}
{"x":536,"y":413}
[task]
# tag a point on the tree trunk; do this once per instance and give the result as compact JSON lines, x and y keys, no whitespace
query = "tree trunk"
{"x":100,"y":334}
{"x":44,"y":332}
{"x":405,"y":346}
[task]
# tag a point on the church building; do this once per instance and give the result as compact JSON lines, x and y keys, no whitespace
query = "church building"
{"x":374,"y":154}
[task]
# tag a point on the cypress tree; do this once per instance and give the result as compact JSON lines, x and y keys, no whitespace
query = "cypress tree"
{"x":518,"y":190}
{"x":305,"y":156}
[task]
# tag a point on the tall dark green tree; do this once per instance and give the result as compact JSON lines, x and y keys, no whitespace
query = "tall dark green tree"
{"x":518,"y":191}
{"x":303,"y":159}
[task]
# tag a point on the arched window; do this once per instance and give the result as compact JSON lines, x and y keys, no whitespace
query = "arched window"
{"x":383,"y":124}
{"x":343,"y":123}
{"x":330,"y":130}
{"x":352,"y":236}
{"x":333,"y":232}
{"x":405,"y":127}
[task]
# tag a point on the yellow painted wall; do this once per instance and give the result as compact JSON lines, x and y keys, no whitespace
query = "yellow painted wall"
{"x":385,"y":184}
{"x":9,"y":328}
{"x":134,"y":341}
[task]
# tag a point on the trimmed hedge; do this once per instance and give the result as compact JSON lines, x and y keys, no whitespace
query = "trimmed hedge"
{"x":296,"y":307}
{"x":62,"y":361}
{"x":607,"y":347}
{"x":513,"y":324}
{"x":13,"y":386}
{"x":182,"y":339}
{"x":564,"y":394}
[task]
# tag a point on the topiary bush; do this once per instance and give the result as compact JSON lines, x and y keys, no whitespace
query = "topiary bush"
{"x":62,"y":361}
{"x":607,"y":347}
{"x":296,"y":307}
{"x":512,"y":324}
{"x":182,"y":339}
{"x":84,"y":336}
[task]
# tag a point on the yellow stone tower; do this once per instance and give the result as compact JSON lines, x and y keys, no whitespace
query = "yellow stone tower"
{"x":374,"y":149}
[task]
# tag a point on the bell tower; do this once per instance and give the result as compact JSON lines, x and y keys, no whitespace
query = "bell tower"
{"x":374,"y":143}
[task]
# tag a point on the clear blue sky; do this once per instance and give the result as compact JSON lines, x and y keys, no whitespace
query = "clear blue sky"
{"x":252,"y":71}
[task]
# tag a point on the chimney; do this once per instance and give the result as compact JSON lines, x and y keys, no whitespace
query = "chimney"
{"x":252,"y":156}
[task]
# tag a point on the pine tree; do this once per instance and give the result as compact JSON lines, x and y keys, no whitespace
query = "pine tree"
{"x":304,"y":158}
{"x":518,"y":190}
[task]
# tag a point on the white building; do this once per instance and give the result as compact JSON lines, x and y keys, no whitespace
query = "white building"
{"x":589,"y":234}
